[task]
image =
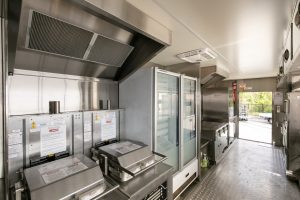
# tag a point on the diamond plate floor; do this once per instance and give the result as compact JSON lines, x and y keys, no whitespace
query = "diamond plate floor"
{"x":249,"y":171}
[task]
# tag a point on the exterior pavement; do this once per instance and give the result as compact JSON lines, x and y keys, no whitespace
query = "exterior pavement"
{"x":256,"y":129}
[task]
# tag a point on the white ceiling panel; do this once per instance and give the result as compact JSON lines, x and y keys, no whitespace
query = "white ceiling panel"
{"x":246,"y":34}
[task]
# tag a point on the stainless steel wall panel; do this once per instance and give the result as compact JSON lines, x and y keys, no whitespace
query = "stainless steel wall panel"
{"x":113,"y":94}
{"x":215,"y":104}
{"x":15,"y":148}
{"x":87,"y":133}
{"x":72,"y":96}
{"x":136,"y":97}
{"x":23,"y":98}
{"x":96,"y":127}
{"x":74,"y":93}
{"x":77,"y":128}
{"x":293,"y":135}
{"x":52,"y":89}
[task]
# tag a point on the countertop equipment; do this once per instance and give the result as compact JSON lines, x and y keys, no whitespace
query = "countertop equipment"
{"x":217,"y":134}
{"x":233,"y":127}
{"x":74,"y":177}
{"x":139,"y":171}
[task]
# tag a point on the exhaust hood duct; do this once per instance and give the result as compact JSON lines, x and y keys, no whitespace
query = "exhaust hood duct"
{"x":93,"y":38}
{"x":54,"y":36}
{"x":211,"y":75}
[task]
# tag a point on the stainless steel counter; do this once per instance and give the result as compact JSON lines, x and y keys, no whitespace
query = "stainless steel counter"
{"x":217,"y":134}
{"x":145,"y":183}
{"x":212,"y":126}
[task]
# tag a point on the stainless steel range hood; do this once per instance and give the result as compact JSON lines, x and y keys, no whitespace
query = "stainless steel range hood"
{"x":211,"y":75}
{"x":94,"y":38}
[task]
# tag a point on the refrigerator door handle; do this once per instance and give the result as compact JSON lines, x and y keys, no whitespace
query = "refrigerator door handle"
{"x":287,"y":106}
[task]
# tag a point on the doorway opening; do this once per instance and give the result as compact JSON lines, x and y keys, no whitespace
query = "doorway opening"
{"x":255,"y":115}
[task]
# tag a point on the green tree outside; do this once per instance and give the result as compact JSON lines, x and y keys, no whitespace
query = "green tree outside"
{"x":256,"y":102}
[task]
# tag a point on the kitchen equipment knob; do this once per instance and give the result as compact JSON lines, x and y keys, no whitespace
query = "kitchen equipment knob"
{"x":286,"y":55}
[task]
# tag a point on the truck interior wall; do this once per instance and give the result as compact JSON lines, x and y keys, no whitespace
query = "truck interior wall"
{"x":253,"y":85}
{"x":73,"y":94}
{"x":136,"y":100}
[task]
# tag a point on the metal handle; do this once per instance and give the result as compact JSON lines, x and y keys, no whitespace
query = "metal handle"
{"x":287,"y":106}
{"x":18,"y":190}
{"x":146,"y":168}
{"x":105,"y":164}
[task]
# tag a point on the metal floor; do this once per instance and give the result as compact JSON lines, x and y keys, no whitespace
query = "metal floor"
{"x":249,"y":171}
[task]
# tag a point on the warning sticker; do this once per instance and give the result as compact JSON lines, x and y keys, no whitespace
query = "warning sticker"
{"x":53,"y":139}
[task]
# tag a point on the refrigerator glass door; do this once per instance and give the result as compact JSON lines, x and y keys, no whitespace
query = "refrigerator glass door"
{"x":167,"y":118}
{"x":189,"y":119}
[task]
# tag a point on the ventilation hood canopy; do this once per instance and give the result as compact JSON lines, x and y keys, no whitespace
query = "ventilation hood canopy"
{"x":211,"y":75}
{"x":94,"y":38}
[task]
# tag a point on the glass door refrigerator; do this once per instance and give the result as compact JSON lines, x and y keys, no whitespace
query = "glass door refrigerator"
{"x":188,"y":115}
{"x":160,"y":111}
{"x":188,"y":162}
{"x":166,"y":139}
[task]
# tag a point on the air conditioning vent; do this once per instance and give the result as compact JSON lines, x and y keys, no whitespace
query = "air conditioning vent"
{"x":197,"y":55}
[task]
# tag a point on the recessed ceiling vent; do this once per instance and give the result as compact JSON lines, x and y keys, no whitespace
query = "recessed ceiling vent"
{"x":197,"y":55}
{"x":48,"y":34}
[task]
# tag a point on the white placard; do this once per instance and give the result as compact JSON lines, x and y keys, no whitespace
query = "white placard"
{"x":278,"y":98}
{"x":56,"y":171}
{"x":108,"y":126}
{"x":15,"y":138}
{"x":87,"y":126}
{"x":87,"y":136}
{"x":13,"y":149}
{"x":53,"y":139}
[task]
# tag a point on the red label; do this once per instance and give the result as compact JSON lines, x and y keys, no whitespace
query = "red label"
{"x":53,"y":130}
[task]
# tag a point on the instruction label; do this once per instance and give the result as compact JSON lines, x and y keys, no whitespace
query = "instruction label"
{"x":87,"y":126}
{"x":53,"y":139}
{"x":58,"y":170}
{"x":15,"y":137}
{"x":108,"y":126}
{"x":14,"y":150}
{"x":87,"y":131}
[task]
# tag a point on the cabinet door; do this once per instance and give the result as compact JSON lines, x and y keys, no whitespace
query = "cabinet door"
{"x":188,"y":120}
{"x":293,"y":134}
{"x":167,"y":117}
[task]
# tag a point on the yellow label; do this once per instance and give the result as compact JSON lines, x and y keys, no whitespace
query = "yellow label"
{"x":33,"y":125}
